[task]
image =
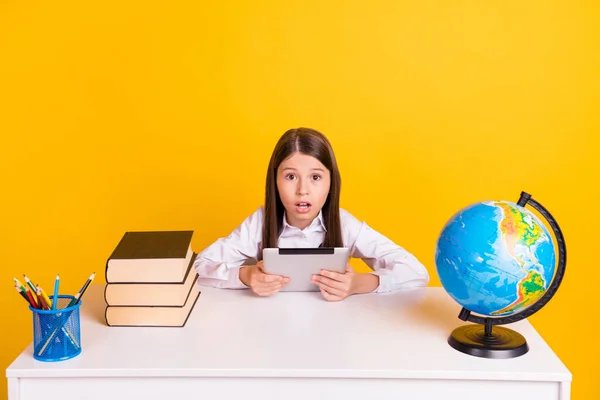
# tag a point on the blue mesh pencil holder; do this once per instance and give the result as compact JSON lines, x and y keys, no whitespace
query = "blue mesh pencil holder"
{"x":56,"y":335}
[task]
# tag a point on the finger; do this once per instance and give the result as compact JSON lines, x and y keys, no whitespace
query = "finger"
{"x":263,"y":290}
{"x":268,"y":285}
{"x":332,"y":290}
{"x":329,"y":296}
{"x":264,"y":293}
{"x":336,"y":276}
{"x":284,"y":281}
{"x":266,"y":278}
{"x":349,"y":268}
{"x":270,"y":292}
{"x":329,"y":282}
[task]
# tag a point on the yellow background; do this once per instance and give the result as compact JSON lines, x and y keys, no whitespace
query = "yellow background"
{"x":140,"y":115}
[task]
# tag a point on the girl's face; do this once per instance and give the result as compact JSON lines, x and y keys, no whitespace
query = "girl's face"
{"x":303,"y":184}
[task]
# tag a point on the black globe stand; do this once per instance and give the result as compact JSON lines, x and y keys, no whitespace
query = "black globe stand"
{"x":482,"y":339}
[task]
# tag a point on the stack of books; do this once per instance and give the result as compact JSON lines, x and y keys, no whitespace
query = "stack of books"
{"x":150,"y":280}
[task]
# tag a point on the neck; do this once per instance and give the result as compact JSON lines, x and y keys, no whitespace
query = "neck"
{"x":299,"y":224}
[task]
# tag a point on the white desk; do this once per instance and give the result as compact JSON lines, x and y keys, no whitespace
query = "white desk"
{"x":292,"y":346}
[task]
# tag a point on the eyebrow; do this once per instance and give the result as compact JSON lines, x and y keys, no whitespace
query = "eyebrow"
{"x":312,"y":169}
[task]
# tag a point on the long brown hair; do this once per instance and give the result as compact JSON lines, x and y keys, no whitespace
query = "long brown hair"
{"x":313,"y":143}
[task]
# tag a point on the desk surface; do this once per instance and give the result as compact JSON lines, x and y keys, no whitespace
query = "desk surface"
{"x":233,"y":333}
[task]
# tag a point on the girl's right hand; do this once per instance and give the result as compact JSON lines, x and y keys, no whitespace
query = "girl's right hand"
{"x":261,"y":283}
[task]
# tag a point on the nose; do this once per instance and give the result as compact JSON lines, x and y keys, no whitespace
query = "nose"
{"x":302,"y":188}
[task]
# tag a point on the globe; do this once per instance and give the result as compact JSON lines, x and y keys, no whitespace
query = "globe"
{"x":495,"y":258}
{"x":498,"y":261}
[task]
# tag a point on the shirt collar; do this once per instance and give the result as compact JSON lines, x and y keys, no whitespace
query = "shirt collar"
{"x":317,"y":224}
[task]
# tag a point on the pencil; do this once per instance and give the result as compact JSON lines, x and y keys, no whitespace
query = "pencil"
{"x":23,"y":291}
{"x":75,"y":300}
{"x":45,"y":297}
{"x":18,"y":283}
{"x":28,"y":282}
{"x":62,"y":327}
{"x":82,"y":290}
{"x":41,"y":301}
{"x":66,"y":331}
{"x":32,"y":300}
{"x":55,"y":298}
{"x":45,"y":305}
{"x":22,"y":294}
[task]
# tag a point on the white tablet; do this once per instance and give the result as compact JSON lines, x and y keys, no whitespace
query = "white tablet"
{"x":300,"y":263}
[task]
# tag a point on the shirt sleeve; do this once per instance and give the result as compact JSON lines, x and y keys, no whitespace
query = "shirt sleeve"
{"x":397,"y":268}
{"x":219,"y":264}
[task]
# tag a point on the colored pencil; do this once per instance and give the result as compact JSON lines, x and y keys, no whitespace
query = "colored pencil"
{"x":45,"y":297}
{"x":18,"y":283}
{"x":55,"y":298}
{"x":82,"y":290}
{"x":31,"y":285}
{"x":32,"y":299}
{"x":22,"y":294}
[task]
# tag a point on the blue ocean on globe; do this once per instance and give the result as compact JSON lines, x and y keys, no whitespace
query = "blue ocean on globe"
{"x":495,"y":258}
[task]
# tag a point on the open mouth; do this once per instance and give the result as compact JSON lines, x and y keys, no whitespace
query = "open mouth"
{"x":303,"y":207}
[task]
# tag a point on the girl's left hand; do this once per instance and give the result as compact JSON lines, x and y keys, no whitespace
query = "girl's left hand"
{"x":334,"y":285}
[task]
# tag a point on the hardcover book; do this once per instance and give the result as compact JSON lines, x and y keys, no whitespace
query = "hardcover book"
{"x":152,"y":316}
{"x":151,"y":257}
{"x":152,"y":294}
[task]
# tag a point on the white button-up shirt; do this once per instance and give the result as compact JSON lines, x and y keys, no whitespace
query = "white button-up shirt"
{"x":219,"y":264}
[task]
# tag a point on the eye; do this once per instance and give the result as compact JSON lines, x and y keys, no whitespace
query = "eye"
{"x":316,"y":177}
{"x":290,"y":177}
